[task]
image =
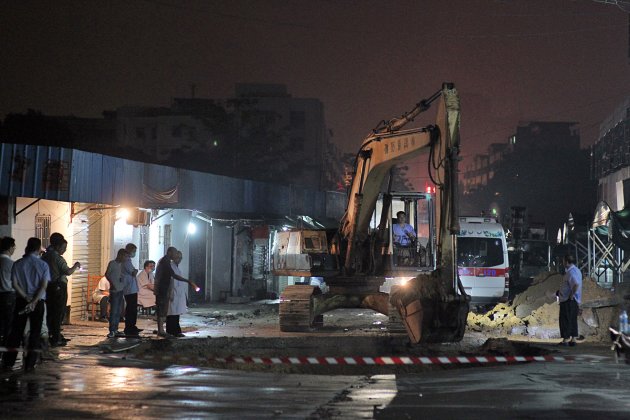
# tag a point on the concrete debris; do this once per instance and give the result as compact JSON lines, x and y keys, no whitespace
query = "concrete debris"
{"x":534,"y":313}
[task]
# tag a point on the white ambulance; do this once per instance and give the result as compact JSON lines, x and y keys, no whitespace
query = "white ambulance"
{"x":482,"y":260}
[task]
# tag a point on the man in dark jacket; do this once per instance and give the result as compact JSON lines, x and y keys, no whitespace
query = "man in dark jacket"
{"x":57,"y":290}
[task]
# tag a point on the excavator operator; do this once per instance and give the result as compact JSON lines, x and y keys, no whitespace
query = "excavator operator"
{"x":404,"y":241}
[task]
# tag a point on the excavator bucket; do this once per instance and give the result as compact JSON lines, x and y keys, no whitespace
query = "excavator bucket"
{"x":428,"y":313}
{"x":412,"y":316}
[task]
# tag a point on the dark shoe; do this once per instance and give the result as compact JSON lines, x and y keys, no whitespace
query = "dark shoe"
{"x":180,"y":335}
{"x":29,"y":369}
{"x":572,"y":343}
{"x":134,"y":330}
{"x":563,"y":343}
{"x":59,"y":343}
{"x":119,"y":334}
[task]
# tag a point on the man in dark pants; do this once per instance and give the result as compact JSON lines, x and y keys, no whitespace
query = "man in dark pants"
{"x":57,"y":290}
{"x":113,"y":274}
{"x":130,"y":291}
{"x":29,"y":275}
{"x":164,"y":274}
{"x":7,"y":293}
{"x":570,"y":298}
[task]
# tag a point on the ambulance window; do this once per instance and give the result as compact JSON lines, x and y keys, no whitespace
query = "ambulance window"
{"x":479,"y":252}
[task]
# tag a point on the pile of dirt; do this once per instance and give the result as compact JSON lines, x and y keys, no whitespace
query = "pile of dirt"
{"x":534,"y":313}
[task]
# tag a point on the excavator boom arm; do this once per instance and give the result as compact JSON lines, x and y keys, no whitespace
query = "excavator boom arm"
{"x":385,"y":148}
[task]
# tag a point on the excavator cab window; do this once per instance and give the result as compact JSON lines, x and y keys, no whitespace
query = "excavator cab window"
{"x":411,"y":251}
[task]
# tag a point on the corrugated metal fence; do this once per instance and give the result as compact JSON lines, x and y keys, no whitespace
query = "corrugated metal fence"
{"x":72,"y":175}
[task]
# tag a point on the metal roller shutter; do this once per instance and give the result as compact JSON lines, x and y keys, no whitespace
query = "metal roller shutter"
{"x":86,"y":249}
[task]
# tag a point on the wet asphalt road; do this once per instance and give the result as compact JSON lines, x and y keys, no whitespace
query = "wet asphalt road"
{"x":109,"y":387}
{"x":85,"y":384}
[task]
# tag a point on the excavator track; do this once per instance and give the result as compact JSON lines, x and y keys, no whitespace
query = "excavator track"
{"x":296,"y":308}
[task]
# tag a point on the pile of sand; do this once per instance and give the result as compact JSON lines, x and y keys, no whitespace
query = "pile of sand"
{"x":534,"y":312}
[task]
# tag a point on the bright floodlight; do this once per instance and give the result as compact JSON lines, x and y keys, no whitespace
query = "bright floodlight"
{"x":192,"y":228}
{"x":123,"y":214}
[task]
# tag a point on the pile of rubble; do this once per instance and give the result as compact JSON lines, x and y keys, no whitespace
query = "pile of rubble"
{"x":534,"y":313}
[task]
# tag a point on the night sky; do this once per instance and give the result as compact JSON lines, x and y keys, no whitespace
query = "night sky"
{"x":366,"y":60}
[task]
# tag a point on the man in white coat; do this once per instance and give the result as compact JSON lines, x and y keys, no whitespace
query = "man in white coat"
{"x":177,"y":300}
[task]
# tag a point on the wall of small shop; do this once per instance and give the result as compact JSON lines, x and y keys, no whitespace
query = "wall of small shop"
{"x":40,"y":220}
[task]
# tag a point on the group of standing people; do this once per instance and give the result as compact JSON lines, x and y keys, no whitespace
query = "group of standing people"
{"x":168,"y":285}
{"x":33,"y":289}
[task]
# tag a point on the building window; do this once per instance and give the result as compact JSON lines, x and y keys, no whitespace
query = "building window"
{"x":167,"y":237}
{"x":297,"y":143}
{"x":298,"y":119}
{"x":42,"y":228}
{"x":177,"y":131}
{"x":143,"y":250}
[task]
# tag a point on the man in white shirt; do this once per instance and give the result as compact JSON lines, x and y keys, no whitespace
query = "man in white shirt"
{"x":30,"y":276}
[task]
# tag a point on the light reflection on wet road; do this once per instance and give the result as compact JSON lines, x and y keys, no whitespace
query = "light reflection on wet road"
{"x":102,"y":386}
{"x":84,"y":383}
{"x":109,"y":386}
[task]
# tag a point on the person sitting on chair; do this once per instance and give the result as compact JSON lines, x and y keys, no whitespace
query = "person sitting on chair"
{"x":101,"y":296}
{"x":404,"y":234}
{"x":146,"y":286}
{"x":404,"y":237}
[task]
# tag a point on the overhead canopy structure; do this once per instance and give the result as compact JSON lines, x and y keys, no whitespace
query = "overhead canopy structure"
{"x":614,"y":224}
{"x":609,"y":244}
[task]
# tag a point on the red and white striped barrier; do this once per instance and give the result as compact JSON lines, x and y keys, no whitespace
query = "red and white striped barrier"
{"x":347,"y":361}
{"x":409,"y":360}
{"x":365,"y":361}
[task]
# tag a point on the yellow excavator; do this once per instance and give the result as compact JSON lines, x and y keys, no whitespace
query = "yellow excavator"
{"x":360,"y":256}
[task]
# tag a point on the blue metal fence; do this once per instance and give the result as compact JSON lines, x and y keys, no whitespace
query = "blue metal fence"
{"x":61,"y":174}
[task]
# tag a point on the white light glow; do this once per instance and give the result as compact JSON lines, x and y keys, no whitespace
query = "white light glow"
{"x":192,"y":228}
{"x":123,"y":214}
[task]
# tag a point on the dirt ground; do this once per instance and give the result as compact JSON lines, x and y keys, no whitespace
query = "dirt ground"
{"x":533,"y":314}
{"x":527,"y":326}
{"x":252,"y":330}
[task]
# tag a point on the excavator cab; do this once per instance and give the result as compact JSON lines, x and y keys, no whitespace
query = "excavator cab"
{"x":409,"y":245}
